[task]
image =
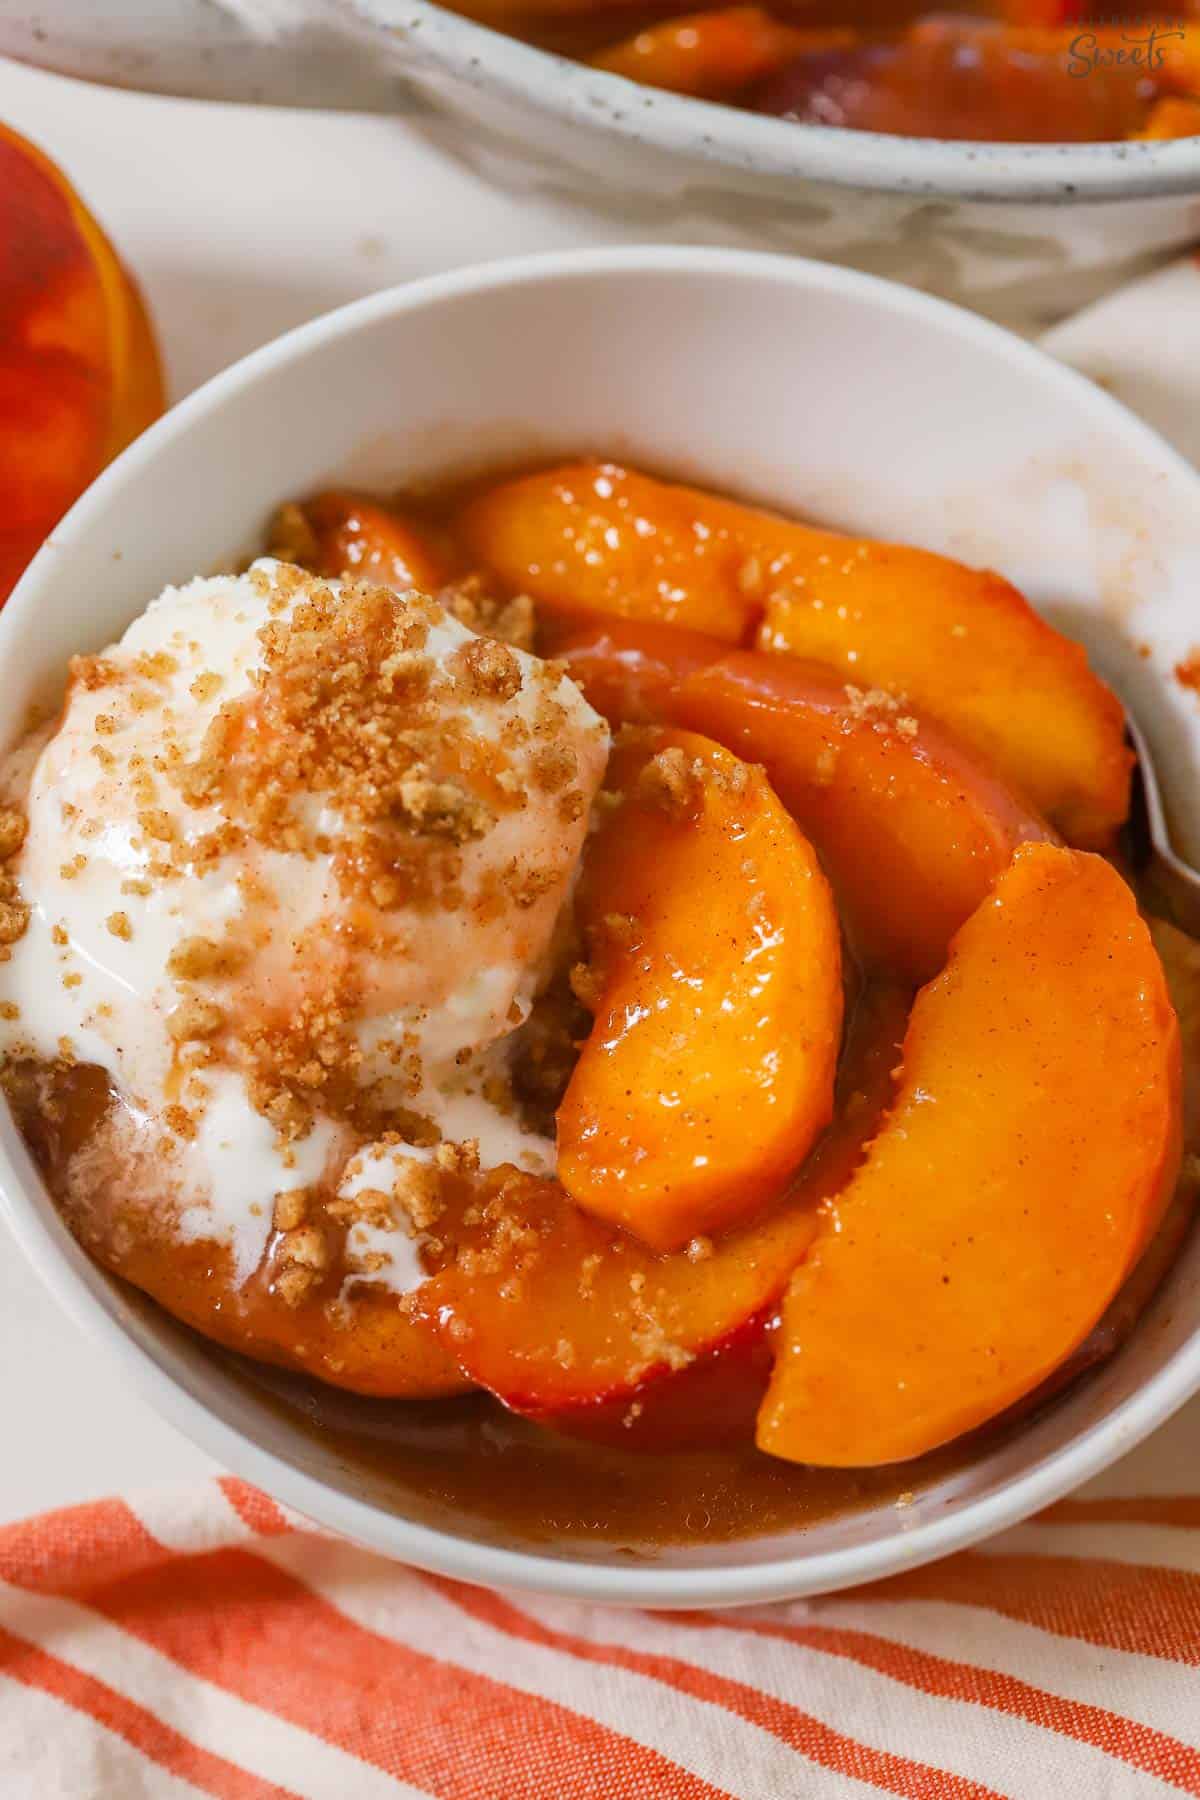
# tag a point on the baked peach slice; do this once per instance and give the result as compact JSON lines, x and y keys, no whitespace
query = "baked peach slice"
{"x":593,"y":537}
{"x":715,"y":979}
{"x":366,"y":1342}
{"x":1029,"y":1154}
{"x":79,"y":369}
{"x":960,"y":644}
{"x":571,"y":1322}
{"x":910,"y":828}
{"x":964,"y":648}
{"x":339,"y":532}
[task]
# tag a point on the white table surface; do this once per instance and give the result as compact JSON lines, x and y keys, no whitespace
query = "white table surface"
{"x":240,"y":223}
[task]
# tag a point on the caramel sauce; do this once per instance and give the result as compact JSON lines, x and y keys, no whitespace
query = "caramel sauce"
{"x":470,"y":1466}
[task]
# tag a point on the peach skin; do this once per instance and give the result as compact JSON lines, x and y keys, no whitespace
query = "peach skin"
{"x":352,"y":535}
{"x":1025,"y":1162}
{"x":891,"y":802}
{"x":965,"y":649}
{"x":79,"y":369}
{"x":716,"y":982}
{"x":571,"y":1322}
{"x":911,"y":830}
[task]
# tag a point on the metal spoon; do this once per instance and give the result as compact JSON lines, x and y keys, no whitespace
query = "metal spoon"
{"x":1176,"y":884}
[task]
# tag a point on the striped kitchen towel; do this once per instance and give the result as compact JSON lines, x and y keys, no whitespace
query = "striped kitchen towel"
{"x":205,"y":1642}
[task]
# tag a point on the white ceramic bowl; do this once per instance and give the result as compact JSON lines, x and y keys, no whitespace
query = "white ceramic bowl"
{"x":821,"y":391}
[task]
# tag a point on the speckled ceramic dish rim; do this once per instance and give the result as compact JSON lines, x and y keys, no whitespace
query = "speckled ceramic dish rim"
{"x":931,"y":167}
{"x":190,"y":1389}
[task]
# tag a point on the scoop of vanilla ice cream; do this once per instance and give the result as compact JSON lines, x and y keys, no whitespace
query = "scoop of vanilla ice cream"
{"x":253,"y":845}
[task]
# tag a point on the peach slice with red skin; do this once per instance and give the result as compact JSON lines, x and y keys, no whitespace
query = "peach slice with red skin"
{"x":910,"y":828}
{"x":966,"y":649}
{"x":571,"y":1322}
{"x":79,"y":369}
{"x":961,"y":645}
{"x":360,"y":537}
{"x":716,"y":961}
{"x":892,"y":803}
{"x":1024,"y":1164}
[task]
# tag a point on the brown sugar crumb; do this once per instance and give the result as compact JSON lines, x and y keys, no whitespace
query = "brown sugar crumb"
{"x":553,"y":766}
{"x":179,"y":1120}
{"x":69,"y":870}
{"x":14,"y":917}
{"x":870,"y":703}
{"x":294,"y":1284}
{"x":155,"y":665}
{"x":72,"y":981}
{"x":571,"y":806}
{"x":668,"y":781}
{"x":511,"y":622}
{"x":194,"y":1018}
{"x":587,"y":985}
{"x":458,"y":1159}
{"x":12,"y":831}
{"x":137,"y":884}
{"x":94,"y":672}
{"x":443,"y":808}
{"x":654,"y":1346}
{"x":487,"y":669}
{"x":418,"y":1193}
{"x":406,"y":671}
{"x":907,"y":726}
{"x":9,"y":1009}
{"x":107,"y":724}
{"x":195,"y":958}
{"x":699,"y":1249}
{"x":305,"y":1247}
{"x":1187,"y":672}
{"x":206,"y":686}
{"x":157,"y":824}
{"x":58,"y":935}
{"x":118,"y":924}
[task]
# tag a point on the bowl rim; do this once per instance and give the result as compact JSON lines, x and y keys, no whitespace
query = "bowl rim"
{"x":92,"y":1301}
{"x":925,"y":168}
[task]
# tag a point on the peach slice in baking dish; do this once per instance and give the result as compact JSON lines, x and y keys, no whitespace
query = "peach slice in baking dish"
{"x":715,"y":977}
{"x":79,"y":370}
{"x":961,"y":645}
{"x":1024,"y":1164}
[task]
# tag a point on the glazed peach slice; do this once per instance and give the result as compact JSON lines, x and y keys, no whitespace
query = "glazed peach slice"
{"x":897,"y":811}
{"x":911,"y":830}
{"x":593,"y":537}
{"x":716,"y":980}
{"x":367,"y":1344}
{"x":79,"y":371}
{"x":342,"y":533}
{"x":1027,"y":1159}
{"x":574,"y":1323}
{"x":960,"y":644}
{"x":963,"y":647}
